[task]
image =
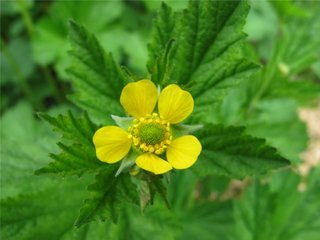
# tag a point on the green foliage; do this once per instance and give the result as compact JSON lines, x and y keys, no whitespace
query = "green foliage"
{"x":229,"y":151}
{"x":207,"y":59}
{"x":16,"y":61}
{"x":278,"y":210}
{"x":24,"y":148}
{"x":162,"y":29}
{"x":79,"y":157}
{"x":95,"y":76}
{"x":277,"y":121}
{"x":32,"y":206}
{"x":109,"y":194}
{"x":200,"y":48}
{"x":104,"y":19}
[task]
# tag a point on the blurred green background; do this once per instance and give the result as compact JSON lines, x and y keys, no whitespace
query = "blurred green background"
{"x":283,"y":36}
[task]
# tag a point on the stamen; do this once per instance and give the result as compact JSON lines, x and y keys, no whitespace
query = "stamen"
{"x":151,"y":133}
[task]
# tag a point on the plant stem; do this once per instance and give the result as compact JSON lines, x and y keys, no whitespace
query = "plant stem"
{"x":25,"y":88}
{"x":57,"y":93}
{"x":26,"y":17}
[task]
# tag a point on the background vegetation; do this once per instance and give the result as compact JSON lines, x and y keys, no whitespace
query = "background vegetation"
{"x":283,"y":37}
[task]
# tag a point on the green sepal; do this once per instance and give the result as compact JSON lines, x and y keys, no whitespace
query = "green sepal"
{"x":128,"y":162}
{"x":123,"y":122}
{"x":183,"y":129}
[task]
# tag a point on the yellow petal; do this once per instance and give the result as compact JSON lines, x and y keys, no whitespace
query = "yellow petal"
{"x":153,"y":163}
{"x":183,"y":152}
{"x":112,"y":144}
{"x":139,"y":98}
{"x":175,"y":104}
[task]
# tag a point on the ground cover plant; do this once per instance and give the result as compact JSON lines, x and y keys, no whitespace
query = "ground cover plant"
{"x":158,"y":120}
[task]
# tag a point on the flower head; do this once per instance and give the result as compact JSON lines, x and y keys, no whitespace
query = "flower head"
{"x":150,"y":133}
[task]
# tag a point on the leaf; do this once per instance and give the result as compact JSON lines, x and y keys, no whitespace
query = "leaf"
{"x":24,"y":147}
{"x":48,"y":213}
{"x":208,"y":220}
{"x":229,"y":151}
{"x":108,"y":194}
{"x":279,"y":210}
{"x":207,"y":60}
{"x":79,"y":157}
{"x":276,"y":120}
{"x":37,"y":207}
{"x":293,"y":89}
{"x":96,"y":78}
{"x":162,"y":29}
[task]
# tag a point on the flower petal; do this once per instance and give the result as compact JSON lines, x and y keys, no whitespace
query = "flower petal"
{"x":183,"y":152}
{"x":153,"y":163}
{"x":112,"y":144}
{"x":175,"y":104}
{"x":139,"y":98}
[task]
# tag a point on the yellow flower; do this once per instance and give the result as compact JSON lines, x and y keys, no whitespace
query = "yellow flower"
{"x":150,"y":133}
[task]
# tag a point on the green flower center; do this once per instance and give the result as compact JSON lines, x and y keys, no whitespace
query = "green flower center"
{"x":151,"y":133}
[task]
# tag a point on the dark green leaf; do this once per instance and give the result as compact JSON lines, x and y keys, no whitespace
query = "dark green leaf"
{"x":79,"y":157}
{"x":229,"y":151}
{"x":108,"y":196}
{"x":163,"y":26}
{"x":207,"y":59}
{"x":96,"y":78}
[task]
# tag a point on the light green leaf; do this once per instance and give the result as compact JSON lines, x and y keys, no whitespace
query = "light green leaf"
{"x":24,"y":148}
{"x":96,"y":79}
{"x":229,"y":151}
{"x":79,"y":157}
{"x":279,"y":210}
{"x":108,"y":194}
{"x":303,"y":91}
{"x":276,"y":120}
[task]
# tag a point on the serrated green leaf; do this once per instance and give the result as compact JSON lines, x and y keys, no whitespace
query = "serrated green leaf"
{"x":48,"y":213}
{"x":230,"y":151}
{"x":96,"y":78}
{"x":75,"y":129}
{"x":207,"y":60}
{"x":209,"y":30}
{"x":79,"y":156}
{"x":162,"y":69}
{"x":162,"y":30}
{"x":108,"y":196}
{"x":279,"y":210}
